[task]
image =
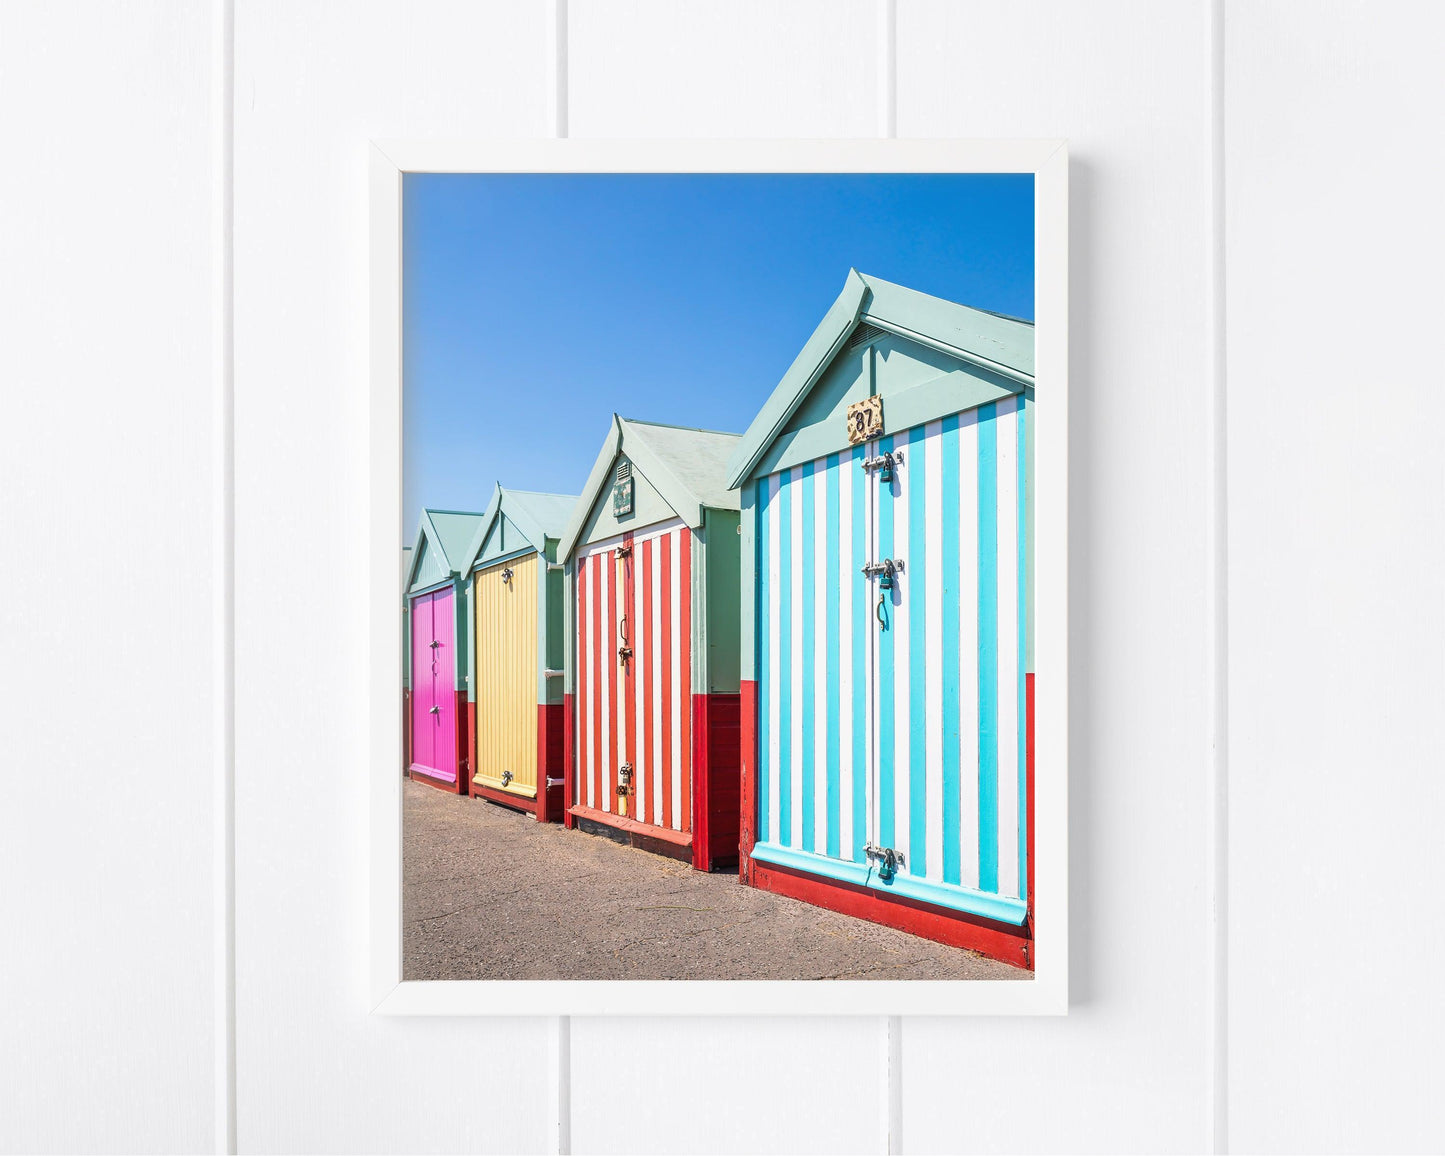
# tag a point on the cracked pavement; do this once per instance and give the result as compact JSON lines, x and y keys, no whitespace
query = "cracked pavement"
{"x":489,"y":893}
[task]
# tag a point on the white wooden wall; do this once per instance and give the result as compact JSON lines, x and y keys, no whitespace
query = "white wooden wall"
{"x":1259,"y":528}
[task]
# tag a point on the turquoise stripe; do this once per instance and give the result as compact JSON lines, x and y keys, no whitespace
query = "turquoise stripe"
{"x":861,"y":626}
{"x":1021,"y":450}
{"x":885,"y":695}
{"x":987,"y":650}
{"x":949,"y":542}
{"x":915,"y":588}
{"x":807,"y":563}
{"x":763,"y":633}
{"x":785,"y":663}
{"x":830,"y":551}
{"x":1012,"y":911}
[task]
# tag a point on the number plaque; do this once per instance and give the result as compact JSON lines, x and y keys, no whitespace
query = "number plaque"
{"x":865,"y":420}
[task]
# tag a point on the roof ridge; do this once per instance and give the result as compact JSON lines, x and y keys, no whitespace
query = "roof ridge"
{"x":689,"y":428}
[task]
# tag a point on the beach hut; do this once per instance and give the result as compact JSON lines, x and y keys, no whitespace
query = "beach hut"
{"x":514,"y":694}
{"x":651,"y":557}
{"x":435,"y":689}
{"x":886,"y":495}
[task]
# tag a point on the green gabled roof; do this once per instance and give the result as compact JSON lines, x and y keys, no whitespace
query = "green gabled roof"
{"x":537,"y":516}
{"x":446,"y":534}
{"x":1004,"y":345}
{"x":688,"y":467}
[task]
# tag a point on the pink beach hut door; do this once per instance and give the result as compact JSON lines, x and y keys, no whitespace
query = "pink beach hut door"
{"x":433,"y":701}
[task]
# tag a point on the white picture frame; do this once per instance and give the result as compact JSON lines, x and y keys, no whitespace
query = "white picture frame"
{"x":1047,"y":992}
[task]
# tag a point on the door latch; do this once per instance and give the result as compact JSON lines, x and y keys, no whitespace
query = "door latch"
{"x":889,"y":860}
{"x":507,"y":777}
{"x":624,"y":779}
{"x":435,"y":710}
{"x":885,"y":571}
{"x":434,"y":644}
{"x":883,"y":464}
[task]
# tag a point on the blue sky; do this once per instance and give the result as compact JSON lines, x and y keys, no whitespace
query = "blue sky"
{"x":537,"y":304}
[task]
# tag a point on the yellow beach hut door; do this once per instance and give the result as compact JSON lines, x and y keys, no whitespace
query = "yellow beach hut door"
{"x":506,"y":666}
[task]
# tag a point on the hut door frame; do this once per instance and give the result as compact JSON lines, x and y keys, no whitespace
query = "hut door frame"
{"x":883,"y":588}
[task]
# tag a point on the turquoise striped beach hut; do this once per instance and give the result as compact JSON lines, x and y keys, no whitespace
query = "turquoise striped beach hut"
{"x":886,"y":500}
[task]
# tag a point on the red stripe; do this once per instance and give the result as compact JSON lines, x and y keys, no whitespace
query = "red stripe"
{"x":649,"y":684}
{"x":594,"y":736}
{"x":665,"y":596}
{"x":684,"y":672}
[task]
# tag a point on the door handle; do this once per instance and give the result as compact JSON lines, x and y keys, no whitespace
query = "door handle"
{"x":434,"y":643}
{"x":435,"y":710}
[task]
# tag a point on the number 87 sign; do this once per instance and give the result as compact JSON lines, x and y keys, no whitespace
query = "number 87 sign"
{"x":865,"y":420}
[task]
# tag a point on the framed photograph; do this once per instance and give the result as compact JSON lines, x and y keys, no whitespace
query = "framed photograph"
{"x":718,"y":577}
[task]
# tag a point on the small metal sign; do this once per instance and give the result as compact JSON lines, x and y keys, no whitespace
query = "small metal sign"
{"x":622,"y":497}
{"x":865,"y":420}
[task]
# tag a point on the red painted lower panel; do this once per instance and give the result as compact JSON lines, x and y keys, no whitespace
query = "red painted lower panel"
{"x":715,"y":786}
{"x":418,"y":775}
{"x":569,"y":759}
{"x":644,"y":836}
{"x":550,"y":762}
{"x":995,"y":940}
{"x":505,"y":798}
{"x":465,"y":733}
{"x":748,"y":757}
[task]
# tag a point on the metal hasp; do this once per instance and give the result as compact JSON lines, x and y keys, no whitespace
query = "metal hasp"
{"x":507,"y":778}
{"x":887,"y":858}
{"x":624,"y":779}
{"x":884,"y":464}
{"x":889,"y":568}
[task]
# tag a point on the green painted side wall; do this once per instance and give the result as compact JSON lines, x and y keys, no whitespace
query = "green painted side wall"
{"x":1029,"y":486}
{"x":749,"y":579}
{"x":430,"y":569}
{"x":550,"y":624}
{"x":722,"y":607}
{"x":569,"y":628}
{"x":502,"y":539}
{"x":917,"y":385}
{"x":648,"y":507}
{"x":468,"y":594}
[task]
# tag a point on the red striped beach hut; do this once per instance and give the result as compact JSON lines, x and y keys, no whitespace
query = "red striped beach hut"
{"x":651,"y":567}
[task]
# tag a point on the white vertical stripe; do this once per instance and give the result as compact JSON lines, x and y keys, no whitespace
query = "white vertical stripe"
{"x":586,"y":660}
{"x":1008,"y":654}
{"x":845,"y":578}
{"x":775,"y":631}
{"x":680,"y":541}
{"x":607,"y":654}
{"x":820,"y":660}
{"x":903,"y":591}
{"x":872,"y":490}
{"x":654,"y":691}
{"x":968,"y":548}
{"x":795,"y":653}
{"x":933,"y":658}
